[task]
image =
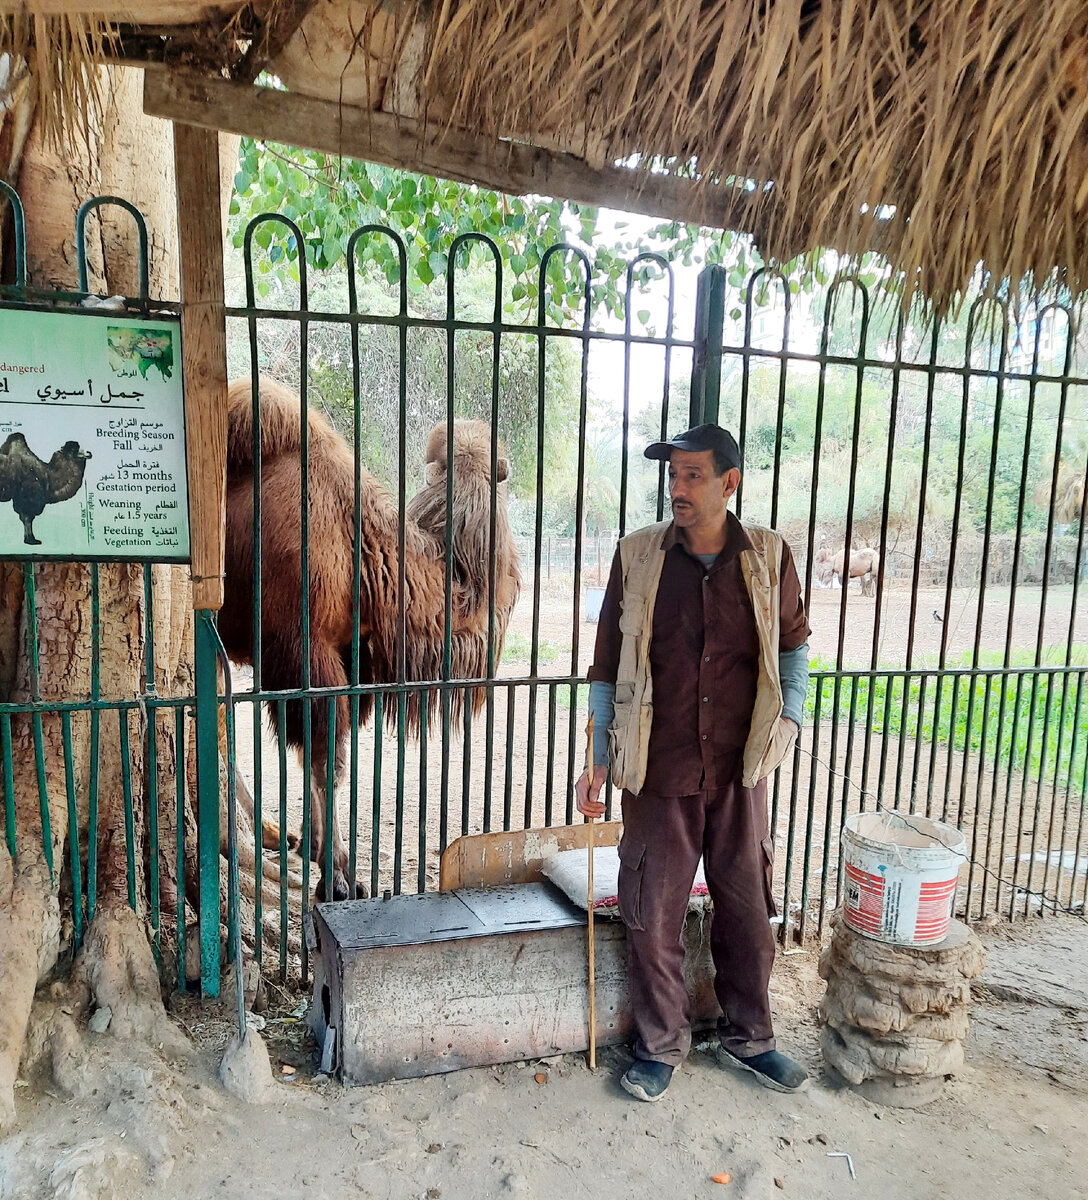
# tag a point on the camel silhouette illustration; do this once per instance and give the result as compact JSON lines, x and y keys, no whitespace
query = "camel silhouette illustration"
{"x":30,"y":483}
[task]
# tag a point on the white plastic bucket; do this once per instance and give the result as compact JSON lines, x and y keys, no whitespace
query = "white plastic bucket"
{"x":901,"y":873}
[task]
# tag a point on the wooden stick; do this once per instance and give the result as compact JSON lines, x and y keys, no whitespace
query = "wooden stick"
{"x":592,"y":923}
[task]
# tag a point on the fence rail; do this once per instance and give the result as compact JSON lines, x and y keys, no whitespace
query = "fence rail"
{"x":955,"y":689}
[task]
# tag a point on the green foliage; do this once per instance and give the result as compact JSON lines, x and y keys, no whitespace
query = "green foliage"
{"x":519,"y":648}
{"x":581,"y":699}
{"x":328,"y":198}
{"x":1040,"y":728}
{"x":329,"y":372}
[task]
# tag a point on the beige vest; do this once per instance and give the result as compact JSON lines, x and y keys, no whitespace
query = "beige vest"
{"x":641,"y":560}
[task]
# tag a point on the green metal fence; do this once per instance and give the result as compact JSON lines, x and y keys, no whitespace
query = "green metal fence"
{"x":48,"y":730}
{"x":919,"y":716}
{"x":955,"y":689}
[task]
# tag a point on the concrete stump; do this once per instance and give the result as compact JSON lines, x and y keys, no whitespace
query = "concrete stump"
{"x":894,"y":1017}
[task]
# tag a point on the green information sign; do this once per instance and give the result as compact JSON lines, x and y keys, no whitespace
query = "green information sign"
{"x":92,"y":437}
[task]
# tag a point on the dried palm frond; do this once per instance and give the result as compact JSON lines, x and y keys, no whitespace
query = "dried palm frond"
{"x":62,"y":52}
{"x":941,"y":133}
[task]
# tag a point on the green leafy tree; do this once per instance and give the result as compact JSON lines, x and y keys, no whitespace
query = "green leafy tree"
{"x":328,"y":198}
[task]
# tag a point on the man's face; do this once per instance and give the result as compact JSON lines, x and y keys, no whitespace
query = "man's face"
{"x":698,"y":495}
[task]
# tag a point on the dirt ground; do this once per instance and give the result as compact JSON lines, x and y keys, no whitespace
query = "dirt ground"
{"x":1010,"y":1127}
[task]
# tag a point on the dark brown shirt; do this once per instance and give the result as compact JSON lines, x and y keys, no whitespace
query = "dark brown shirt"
{"x":704,"y":660}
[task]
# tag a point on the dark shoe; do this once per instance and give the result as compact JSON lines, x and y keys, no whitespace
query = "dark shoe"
{"x":646,"y":1080}
{"x":772,"y":1069}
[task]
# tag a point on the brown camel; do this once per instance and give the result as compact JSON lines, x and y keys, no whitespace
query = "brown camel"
{"x":30,"y":484}
{"x":864,"y":564}
{"x":331,"y":507}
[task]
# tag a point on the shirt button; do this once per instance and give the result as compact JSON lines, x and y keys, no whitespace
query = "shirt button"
{"x":704,"y":737}
{"x":706,"y":579}
{"x":706,"y":699}
{"x":707,"y":658}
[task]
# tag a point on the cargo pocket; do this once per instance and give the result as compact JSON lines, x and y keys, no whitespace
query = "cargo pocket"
{"x":631,"y":855}
{"x":619,"y":733}
{"x":632,"y":615}
{"x":767,"y":846}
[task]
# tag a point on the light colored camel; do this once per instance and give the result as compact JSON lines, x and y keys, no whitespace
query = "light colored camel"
{"x":864,"y":565}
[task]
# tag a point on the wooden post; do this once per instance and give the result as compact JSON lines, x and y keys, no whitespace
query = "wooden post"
{"x":204,"y":346}
{"x":204,"y":366}
{"x":395,"y":140}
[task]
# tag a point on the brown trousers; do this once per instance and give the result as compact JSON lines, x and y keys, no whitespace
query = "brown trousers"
{"x":663,"y":838}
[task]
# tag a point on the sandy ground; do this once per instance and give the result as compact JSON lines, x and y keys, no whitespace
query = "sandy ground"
{"x":1010,"y":1127}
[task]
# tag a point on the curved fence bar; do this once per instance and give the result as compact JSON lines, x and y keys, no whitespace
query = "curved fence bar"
{"x":85,"y":210}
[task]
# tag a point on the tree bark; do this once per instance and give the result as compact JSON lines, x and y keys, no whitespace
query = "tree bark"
{"x":130,"y":157}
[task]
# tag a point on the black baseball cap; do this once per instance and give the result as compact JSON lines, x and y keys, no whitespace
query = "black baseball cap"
{"x":700,"y":437}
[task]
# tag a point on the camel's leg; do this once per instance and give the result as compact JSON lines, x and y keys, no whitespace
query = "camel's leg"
{"x":325,"y":824}
{"x":327,"y":670}
{"x":270,"y":831}
{"x":28,"y":531}
{"x":323,"y":827}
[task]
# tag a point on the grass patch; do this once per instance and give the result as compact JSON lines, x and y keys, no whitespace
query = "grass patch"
{"x":1035,"y":723}
{"x":519,"y":648}
{"x":562,"y":697}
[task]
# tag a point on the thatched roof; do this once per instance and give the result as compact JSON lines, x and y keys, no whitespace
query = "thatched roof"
{"x":943,"y":134}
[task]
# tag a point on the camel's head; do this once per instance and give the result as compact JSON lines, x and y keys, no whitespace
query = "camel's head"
{"x":72,"y":450}
{"x":471,"y":516}
{"x":471,"y":453}
{"x":14,"y":441}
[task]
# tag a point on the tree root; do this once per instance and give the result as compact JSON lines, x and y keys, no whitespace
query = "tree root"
{"x":116,"y":970}
{"x":29,"y":937}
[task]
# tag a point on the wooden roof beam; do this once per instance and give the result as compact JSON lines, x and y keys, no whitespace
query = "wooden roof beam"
{"x":275,"y":32}
{"x":393,"y":141}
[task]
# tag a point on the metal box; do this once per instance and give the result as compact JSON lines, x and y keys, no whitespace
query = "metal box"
{"x":417,"y":985}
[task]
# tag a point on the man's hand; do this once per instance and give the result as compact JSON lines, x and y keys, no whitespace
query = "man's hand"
{"x":587,"y":791}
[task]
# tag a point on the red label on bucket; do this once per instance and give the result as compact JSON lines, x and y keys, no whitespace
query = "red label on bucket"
{"x":872,"y":906}
{"x":934,"y":910}
{"x":900,"y":874}
{"x":864,"y":899}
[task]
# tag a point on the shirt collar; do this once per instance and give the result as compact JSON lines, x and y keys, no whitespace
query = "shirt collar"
{"x":736,"y":539}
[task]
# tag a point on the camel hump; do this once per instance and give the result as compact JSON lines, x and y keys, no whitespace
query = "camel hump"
{"x":280,"y":425}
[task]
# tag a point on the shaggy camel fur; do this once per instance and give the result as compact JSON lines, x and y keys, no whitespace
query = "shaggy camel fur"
{"x":30,"y":484}
{"x":331,"y":509}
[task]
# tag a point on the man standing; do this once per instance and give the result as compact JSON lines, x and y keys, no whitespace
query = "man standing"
{"x":697,"y":690}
